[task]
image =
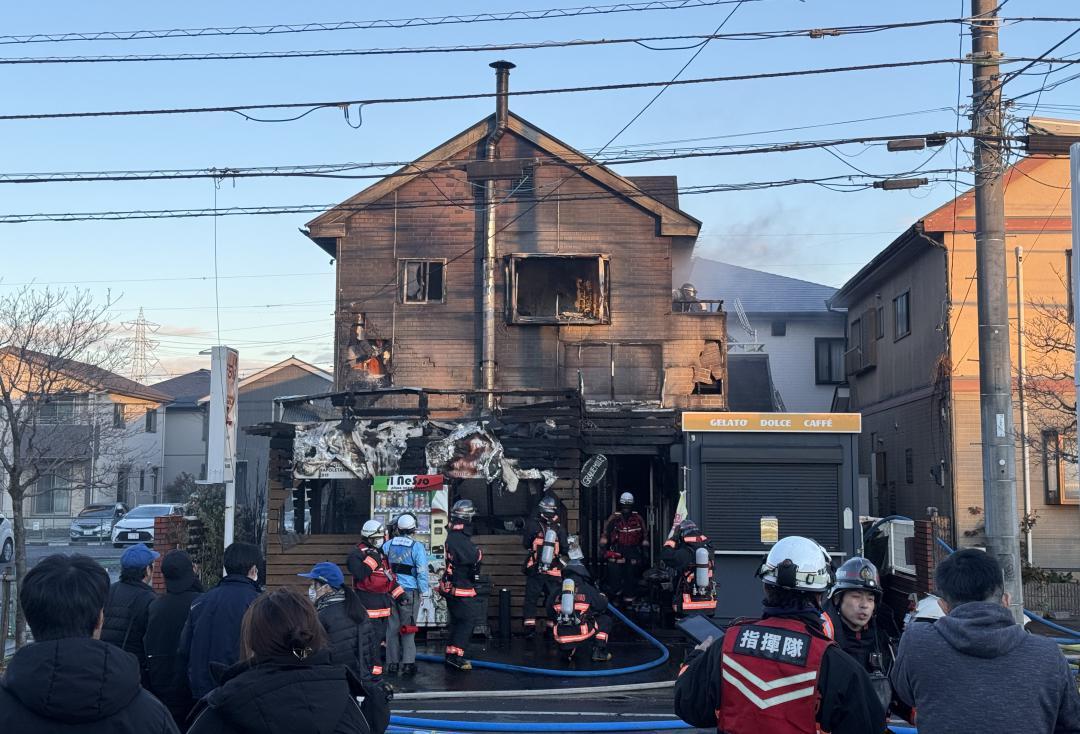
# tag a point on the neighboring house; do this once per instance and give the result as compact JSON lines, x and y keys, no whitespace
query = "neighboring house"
{"x":786,"y":319}
{"x":186,"y":426}
{"x":913,"y":361}
{"x":98,"y":438}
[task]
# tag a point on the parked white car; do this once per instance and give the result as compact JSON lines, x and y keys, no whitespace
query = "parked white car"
{"x":7,"y":540}
{"x":138,"y":525}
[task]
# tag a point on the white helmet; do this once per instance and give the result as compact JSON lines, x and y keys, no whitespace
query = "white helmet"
{"x":626,"y":498}
{"x":797,"y":563}
{"x":406,"y":523}
{"x":373,"y":529}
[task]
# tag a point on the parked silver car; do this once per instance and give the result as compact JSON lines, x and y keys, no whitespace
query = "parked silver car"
{"x":137,"y":526}
{"x":95,"y":522}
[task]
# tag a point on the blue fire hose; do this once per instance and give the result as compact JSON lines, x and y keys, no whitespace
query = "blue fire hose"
{"x":558,"y":673}
{"x":410,"y":724}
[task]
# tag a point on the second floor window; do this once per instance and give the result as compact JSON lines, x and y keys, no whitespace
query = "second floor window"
{"x":118,"y":419}
{"x":902,"y":315}
{"x":62,"y":410}
{"x":151,"y":420}
{"x":422,"y":281}
{"x":829,"y":361}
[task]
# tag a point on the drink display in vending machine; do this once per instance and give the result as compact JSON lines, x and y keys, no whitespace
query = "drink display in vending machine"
{"x":424,"y":496}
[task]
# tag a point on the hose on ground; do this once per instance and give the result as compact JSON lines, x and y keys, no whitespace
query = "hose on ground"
{"x":518,"y":726}
{"x":559,"y":673}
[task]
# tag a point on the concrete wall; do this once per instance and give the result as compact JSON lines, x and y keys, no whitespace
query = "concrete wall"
{"x":791,"y":357}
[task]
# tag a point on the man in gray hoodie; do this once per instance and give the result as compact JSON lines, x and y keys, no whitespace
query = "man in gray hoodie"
{"x":975,"y":669}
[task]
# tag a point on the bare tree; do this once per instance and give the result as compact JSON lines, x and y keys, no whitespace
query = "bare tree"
{"x":56,"y":349}
{"x":1049,"y":386}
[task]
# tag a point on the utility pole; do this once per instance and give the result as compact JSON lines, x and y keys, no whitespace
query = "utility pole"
{"x":1021,"y":376}
{"x":995,"y":362}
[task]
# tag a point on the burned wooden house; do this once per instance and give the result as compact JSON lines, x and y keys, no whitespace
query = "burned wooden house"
{"x":508,"y":282}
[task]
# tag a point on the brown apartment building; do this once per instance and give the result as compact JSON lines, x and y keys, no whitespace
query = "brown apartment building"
{"x":913,"y":361}
{"x":507,"y":279}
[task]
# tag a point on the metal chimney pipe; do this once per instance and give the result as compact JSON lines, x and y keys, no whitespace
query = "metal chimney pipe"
{"x":502,"y":114}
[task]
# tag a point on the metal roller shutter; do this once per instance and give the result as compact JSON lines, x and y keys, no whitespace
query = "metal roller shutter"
{"x":804,"y":497}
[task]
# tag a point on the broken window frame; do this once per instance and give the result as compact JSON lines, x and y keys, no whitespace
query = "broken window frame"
{"x":603,"y":263}
{"x":403,"y":269}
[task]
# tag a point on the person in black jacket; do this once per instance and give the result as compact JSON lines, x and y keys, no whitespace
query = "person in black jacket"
{"x":128,"y":606}
{"x":780,"y":673}
{"x":352,"y":639}
{"x":458,"y":584}
{"x":67,"y":681}
{"x":168,"y":614}
{"x":286,"y":682}
{"x":211,"y":637}
{"x":542,"y":564}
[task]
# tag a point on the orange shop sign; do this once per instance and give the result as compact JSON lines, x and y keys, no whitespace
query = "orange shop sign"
{"x":773,"y":422}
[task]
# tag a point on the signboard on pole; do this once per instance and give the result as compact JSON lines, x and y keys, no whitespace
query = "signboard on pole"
{"x":221,"y":438}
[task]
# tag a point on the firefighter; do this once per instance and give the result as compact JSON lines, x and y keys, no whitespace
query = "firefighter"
{"x":458,"y":583}
{"x":580,"y":614}
{"x":690,"y":557}
{"x":780,"y":674}
{"x":409,"y":562}
{"x":860,"y":624}
{"x":626,"y":547}
{"x":373,"y":580}
{"x":545,"y":539}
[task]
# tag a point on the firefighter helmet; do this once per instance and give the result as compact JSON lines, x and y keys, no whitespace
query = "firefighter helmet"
{"x":463,"y":510}
{"x":373,"y":529}
{"x":857,"y":574}
{"x":626,"y":499}
{"x":797,"y":563}
{"x":549,"y":508}
{"x":406,"y":523}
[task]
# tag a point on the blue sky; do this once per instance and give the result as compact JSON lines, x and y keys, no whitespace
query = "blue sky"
{"x":805,"y":232}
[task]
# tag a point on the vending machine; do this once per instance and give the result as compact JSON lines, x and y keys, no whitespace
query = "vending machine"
{"x":424,"y":496}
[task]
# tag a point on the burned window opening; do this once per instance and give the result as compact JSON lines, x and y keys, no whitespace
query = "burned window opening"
{"x":422,"y":281}
{"x":558,"y":289}
{"x":368,"y":361}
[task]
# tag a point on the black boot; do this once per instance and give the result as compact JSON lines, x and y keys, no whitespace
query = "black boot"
{"x":408,"y":669}
{"x":600,"y":654}
{"x":391,"y":669}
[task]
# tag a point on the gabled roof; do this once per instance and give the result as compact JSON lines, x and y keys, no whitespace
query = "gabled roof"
{"x":759,"y":292}
{"x":673,"y":221}
{"x":186,"y":389}
{"x":94,"y":378}
{"x":261,"y":374}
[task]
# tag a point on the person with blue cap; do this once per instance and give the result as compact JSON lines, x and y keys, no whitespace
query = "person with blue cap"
{"x":127,"y":608}
{"x":352,"y":639}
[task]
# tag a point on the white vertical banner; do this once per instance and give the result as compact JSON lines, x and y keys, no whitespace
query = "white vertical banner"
{"x":221,"y":441}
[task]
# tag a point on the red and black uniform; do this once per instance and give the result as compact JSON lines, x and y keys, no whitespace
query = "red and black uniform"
{"x":541,"y":582}
{"x":679,"y":555}
{"x":458,"y":586}
{"x":374,"y":583}
{"x":780,"y":675}
{"x":588,"y":620}
{"x":625,"y":539}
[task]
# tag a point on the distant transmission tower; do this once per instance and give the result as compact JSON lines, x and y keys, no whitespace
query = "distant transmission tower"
{"x":143,"y":359}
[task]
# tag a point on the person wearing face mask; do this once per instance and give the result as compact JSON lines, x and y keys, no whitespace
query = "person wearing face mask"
{"x":626,"y":547}
{"x":458,"y":584}
{"x":853,"y":617}
{"x":409,"y":562}
{"x":374,"y":582}
{"x":352,"y":639}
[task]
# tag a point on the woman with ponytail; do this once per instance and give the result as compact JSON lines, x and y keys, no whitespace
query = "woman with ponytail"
{"x":286,"y":682}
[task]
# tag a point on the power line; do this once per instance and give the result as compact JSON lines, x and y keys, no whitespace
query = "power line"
{"x":837,"y":183}
{"x":642,"y":41}
{"x":343,"y":170}
{"x":344,"y":104}
{"x":352,"y":25}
